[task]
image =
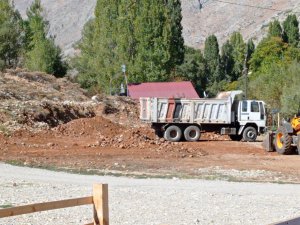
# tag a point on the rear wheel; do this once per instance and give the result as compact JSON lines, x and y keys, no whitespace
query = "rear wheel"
{"x":283,"y":141}
{"x":192,"y":133}
{"x":173,"y":133}
{"x":235,"y":137}
{"x":250,"y":134}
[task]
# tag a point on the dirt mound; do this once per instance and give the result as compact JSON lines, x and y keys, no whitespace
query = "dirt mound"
{"x":34,"y":100}
{"x":121,"y":110}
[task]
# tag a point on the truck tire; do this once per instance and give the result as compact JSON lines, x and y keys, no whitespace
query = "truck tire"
{"x":249,"y":134}
{"x":283,"y":141}
{"x":236,"y":137}
{"x":192,"y":133}
{"x":173,"y":133}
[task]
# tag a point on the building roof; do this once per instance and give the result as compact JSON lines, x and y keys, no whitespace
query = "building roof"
{"x":183,"y":89}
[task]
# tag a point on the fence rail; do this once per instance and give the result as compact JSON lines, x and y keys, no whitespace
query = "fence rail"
{"x":99,"y":200}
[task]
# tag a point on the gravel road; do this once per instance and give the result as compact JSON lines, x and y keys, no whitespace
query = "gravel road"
{"x":148,"y":201}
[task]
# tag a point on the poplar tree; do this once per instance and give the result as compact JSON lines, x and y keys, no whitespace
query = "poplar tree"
{"x":227,"y":60}
{"x":212,"y":57}
{"x":41,"y":52}
{"x":11,"y":35}
{"x":291,"y":30}
{"x":238,"y":53}
{"x":275,"y":29}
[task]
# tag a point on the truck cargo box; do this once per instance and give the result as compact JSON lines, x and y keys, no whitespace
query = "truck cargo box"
{"x":202,"y":111}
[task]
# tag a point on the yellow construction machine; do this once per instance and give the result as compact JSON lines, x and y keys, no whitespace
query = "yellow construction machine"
{"x":286,"y":140}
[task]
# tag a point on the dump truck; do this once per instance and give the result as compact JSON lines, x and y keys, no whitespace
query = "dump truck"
{"x":286,"y":139}
{"x":178,"y":118}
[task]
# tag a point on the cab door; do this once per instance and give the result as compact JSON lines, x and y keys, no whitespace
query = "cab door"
{"x":244,"y":111}
{"x":254,"y":111}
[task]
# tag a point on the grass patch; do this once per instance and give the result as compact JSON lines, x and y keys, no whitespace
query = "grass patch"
{"x":5,"y":206}
{"x":142,"y":175}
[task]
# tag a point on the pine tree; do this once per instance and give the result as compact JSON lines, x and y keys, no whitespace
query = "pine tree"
{"x":11,"y":35}
{"x":275,"y":29}
{"x":291,"y":30}
{"x":41,"y":52}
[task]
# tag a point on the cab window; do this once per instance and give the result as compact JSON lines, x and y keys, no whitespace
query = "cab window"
{"x":262,"y":112}
{"x":244,"y":106}
{"x":254,"y":107}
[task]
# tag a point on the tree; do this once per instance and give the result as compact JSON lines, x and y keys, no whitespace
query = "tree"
{"x":290,"y":98}
{"x":268,"y":52}
{"x":11,"y":35}
{"x":146,"y":36}
{"x":279,"y":87}
{"x":275,"y":29}
{"x":193,"y":69}
{"x":212,"y":57}
{"x":291,"y":30}
{"x":41,"y":52}
{"x":174,"y":18}
{"x":227,"y":60}
{"x":238,"y":53}
{"x":250,"y":48}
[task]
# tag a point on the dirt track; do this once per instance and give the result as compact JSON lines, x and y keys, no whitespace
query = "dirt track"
{"x":97,"y":145}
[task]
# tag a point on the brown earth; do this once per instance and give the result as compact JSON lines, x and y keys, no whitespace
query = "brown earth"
{"x":105,"y":147}
{"x":49,"y":122}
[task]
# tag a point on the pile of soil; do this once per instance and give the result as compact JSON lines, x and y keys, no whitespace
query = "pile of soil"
{"x":37,"y":101}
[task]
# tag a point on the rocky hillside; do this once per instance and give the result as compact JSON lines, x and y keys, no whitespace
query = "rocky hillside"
{"x":67,"y":18}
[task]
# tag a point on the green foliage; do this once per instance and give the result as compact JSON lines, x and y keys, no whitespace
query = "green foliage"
{"x":291,"y":30}
{"x":279,"y":87}
{"x":193,"y":69}
{"x":290,"y":98}
{"x":212,"y":57}
{"x":11,"y":35}
{"x":41,"y":52}
{"x":146,"y":36}
{"x":268,"y":52}
{"x":250,"y":49}
{"x":227,"y":60}
{"x":275,"y":29}
{"x":238,"y":53}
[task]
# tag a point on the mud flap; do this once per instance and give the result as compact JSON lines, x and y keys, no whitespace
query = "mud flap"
{"x":268,"y":142}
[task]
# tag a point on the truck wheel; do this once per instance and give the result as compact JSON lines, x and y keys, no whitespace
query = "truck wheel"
{"x":250,"y":134}
{"x":192,"y":133}
{"x":173,"y":133}
{"x":235,"y":137}
{"x":283,"y":141}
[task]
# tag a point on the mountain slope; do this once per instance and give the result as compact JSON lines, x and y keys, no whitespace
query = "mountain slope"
{"x":67,"y":18}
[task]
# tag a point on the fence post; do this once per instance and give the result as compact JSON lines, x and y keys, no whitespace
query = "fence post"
{"x":100,"y":199}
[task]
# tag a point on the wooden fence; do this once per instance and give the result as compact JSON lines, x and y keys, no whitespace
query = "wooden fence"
{"x":99,"y":200}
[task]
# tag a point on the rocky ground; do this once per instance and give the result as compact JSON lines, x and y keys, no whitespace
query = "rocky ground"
{"x":148,"y":201}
